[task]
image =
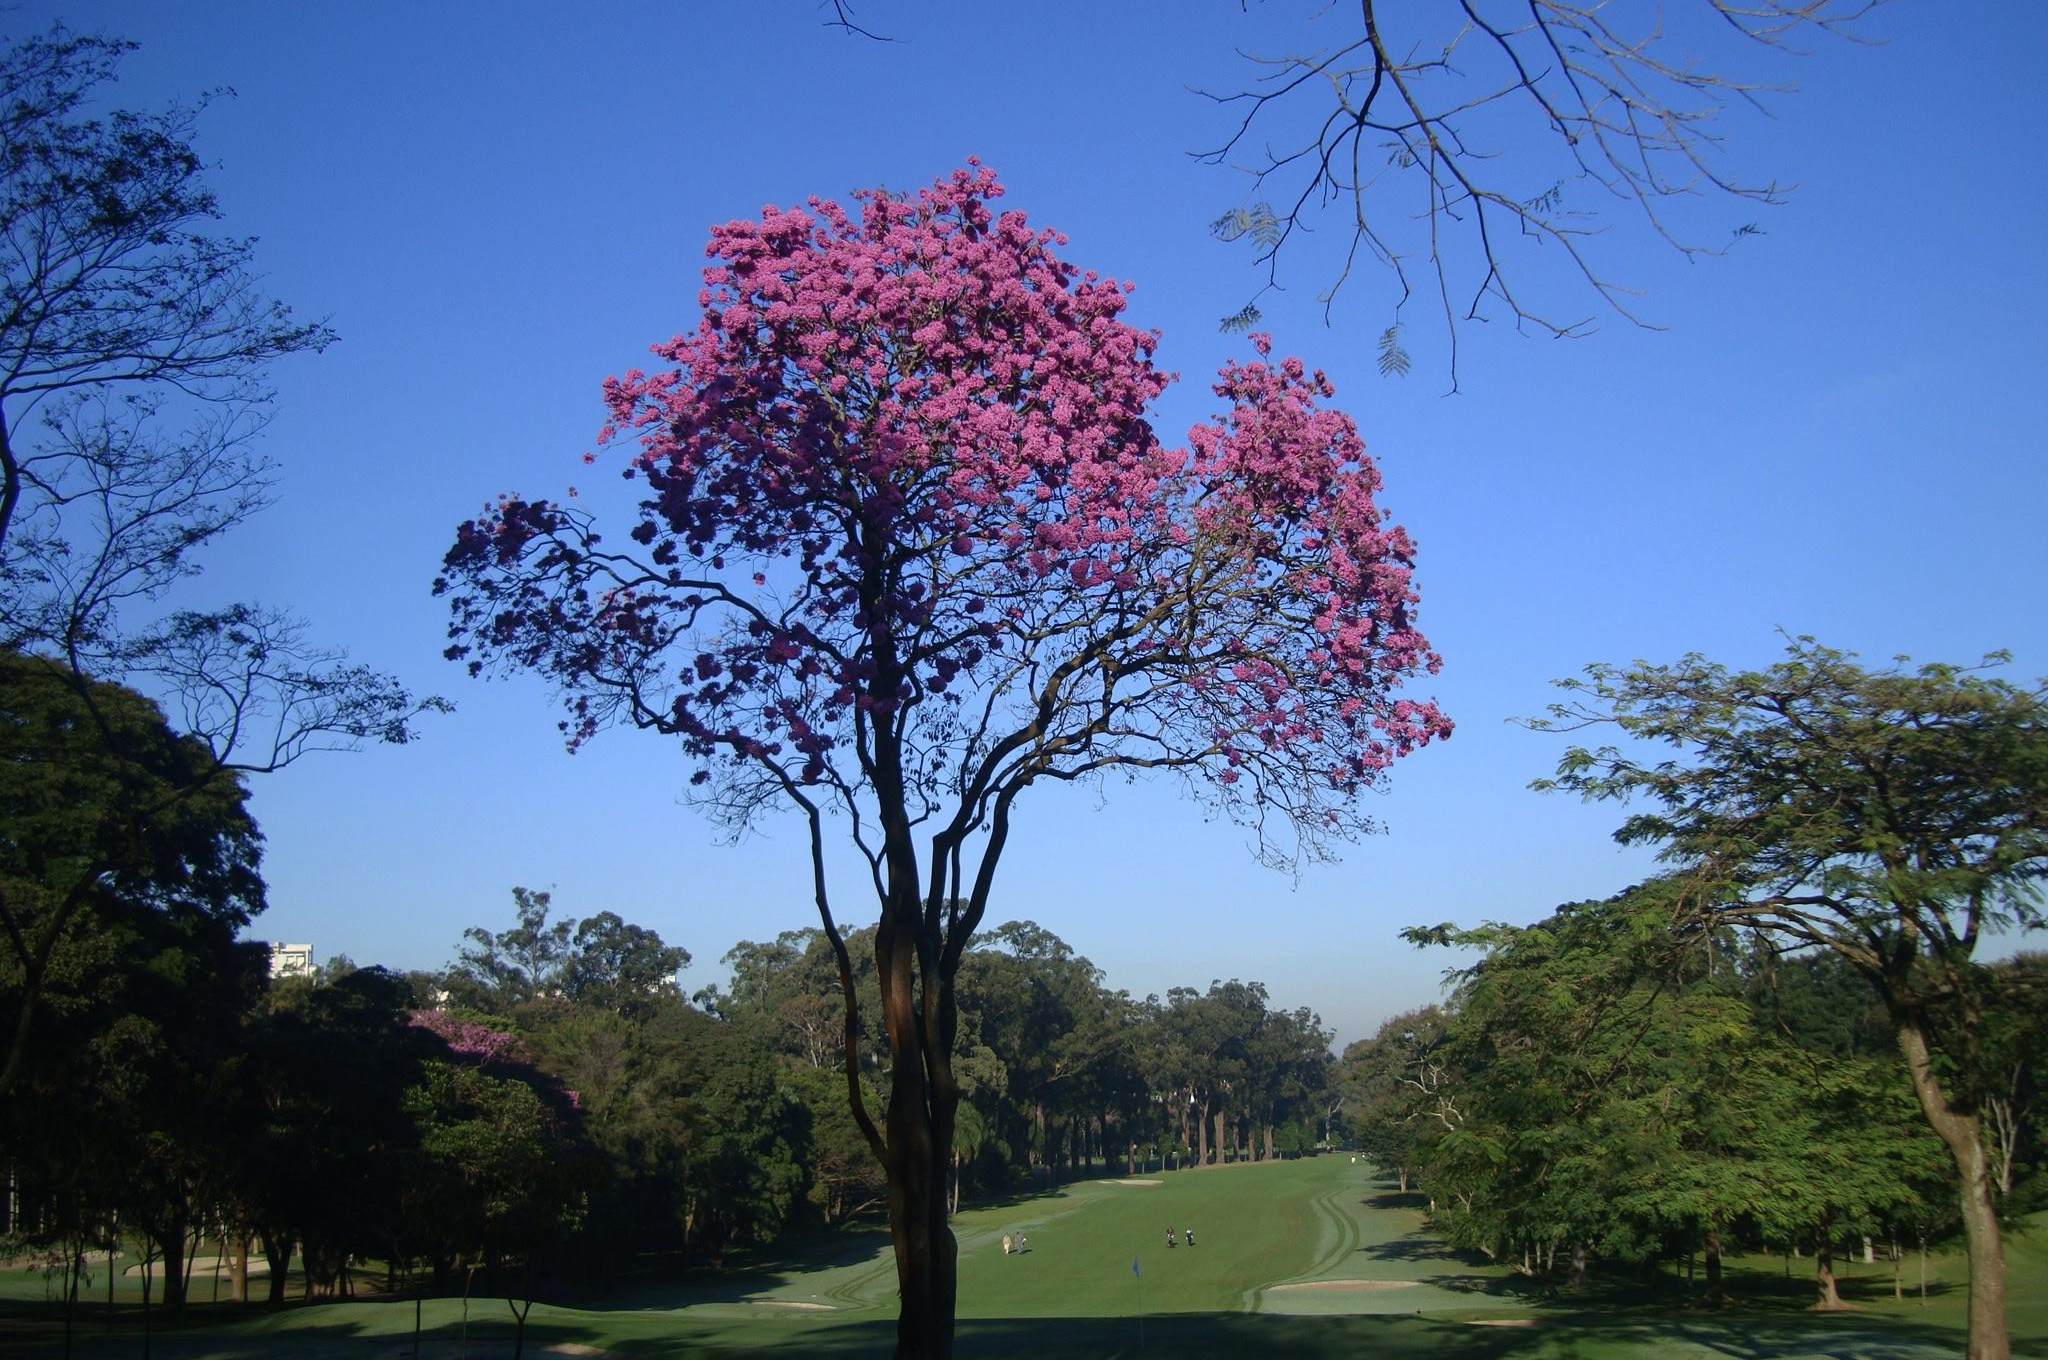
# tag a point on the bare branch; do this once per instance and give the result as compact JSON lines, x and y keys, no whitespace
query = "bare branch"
{"x":1472,"y":133}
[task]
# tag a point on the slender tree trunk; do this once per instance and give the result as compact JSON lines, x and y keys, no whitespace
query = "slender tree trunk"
{"x":1202,"y":1137}
{"x":238,"y":1269}
{"x":1827,"y":1298}
{"x":1220,"y":1136}
{"x":1578,"y":1264}
{"x":1714,"y":1294}
{"x":75,"y":1267}
{"x":277,"y":1253}
{"x":1961,"y":1131}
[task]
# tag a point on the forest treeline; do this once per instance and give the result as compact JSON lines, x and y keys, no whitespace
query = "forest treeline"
{"x":1610,"y":1084}
{"x":555,"y":1097}
{"x":1594,"y":1090}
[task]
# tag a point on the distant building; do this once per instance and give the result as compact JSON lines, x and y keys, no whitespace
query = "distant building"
{"x":291,"y":960}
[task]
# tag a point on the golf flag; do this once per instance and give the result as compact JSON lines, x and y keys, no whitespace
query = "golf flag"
{"x":1134,"y":1266}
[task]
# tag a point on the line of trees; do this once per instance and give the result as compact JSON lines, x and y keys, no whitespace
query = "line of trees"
{"x":554,"y":1087}
{"x":1616,"y":1078}
{"x":1585,"y":1095}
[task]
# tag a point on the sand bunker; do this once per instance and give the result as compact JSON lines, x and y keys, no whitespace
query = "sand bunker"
{"x":1345,"y":1285}
{"x":781,"y":1303}
{"x":1503,"y":1322}
{"x":576,"y":1348}
{"x":1135,"y":1182}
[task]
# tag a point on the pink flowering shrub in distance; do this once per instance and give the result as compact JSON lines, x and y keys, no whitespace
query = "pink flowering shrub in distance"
{"x":482,"y":1046}
{"x":910,"y":544}
{"x":468,"y":1039}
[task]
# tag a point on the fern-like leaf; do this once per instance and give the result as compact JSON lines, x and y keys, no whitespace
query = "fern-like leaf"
{"x":1243,"y":319}
{"x":1394,"y":361}
{"x":1256,"y":221}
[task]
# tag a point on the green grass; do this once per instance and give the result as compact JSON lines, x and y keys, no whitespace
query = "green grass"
{"x":1322,"y":1222}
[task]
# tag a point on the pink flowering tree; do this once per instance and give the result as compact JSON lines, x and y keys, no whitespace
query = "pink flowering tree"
{"x":910,"y":545}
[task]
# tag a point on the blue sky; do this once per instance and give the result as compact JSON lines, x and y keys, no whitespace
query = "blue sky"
{"x":498,"y":205}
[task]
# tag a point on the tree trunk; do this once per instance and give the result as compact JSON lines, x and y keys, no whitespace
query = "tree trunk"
{"x":1202,"y":1137}
{"x":1988,"y":1338}
{"x":238,"y":1273}
{"x":1578,"y":1264}
{"x":172,"y":1244}
{"x":1714,"y":1293}
{"x":1827,"y":1299}
{"x":1269,"y":1142}
{"x":1220,"y":1134}
{"x":277,"y":1253}
{"x":919,"y":1137}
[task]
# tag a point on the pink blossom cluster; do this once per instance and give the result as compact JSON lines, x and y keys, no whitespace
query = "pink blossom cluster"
{"x":484,"y":1046}
{"x":468,"y":1039}
{"x":904,"y":458}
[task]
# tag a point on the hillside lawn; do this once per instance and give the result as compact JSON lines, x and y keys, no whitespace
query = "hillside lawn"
{"x":1312,"y":1258}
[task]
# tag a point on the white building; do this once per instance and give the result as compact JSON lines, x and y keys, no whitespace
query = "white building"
{"x":291,"y":960}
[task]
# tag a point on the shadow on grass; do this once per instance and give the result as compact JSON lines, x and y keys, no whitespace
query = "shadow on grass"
{"x":1183,"y":1336}
{"x":1422,"y":1246}
{"x":1397,"y":1199}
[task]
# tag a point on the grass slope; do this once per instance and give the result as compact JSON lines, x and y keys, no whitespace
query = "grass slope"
{"x":1312,"y":1258}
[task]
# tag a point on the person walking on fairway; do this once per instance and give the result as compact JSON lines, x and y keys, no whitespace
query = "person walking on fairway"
{"x":1006,"y":1244}
{"x":1170,"y":1243}
{"x":1191,"y":1237}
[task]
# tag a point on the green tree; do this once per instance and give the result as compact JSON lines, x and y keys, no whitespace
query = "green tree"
{"x":330,"y":1141}
{"x":1891,"y":816}
{"x":1397,"y":1086}
{"x":503,"y":1166}
{"x":129,"y":1101}
{"x":788,"y":993}
{"x":119,"y":305}
{"x":619,"y":966}
{"x":1617,"y":1098}
{"x":511,"y":967}
{"x":2013,"y":1048}
{"x":103,"y":810}
{"x":1291,"y":1068}
{"x":745,"y":1176}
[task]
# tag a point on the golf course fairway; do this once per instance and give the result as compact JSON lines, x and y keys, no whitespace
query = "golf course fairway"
{"x":1317,"y":1257}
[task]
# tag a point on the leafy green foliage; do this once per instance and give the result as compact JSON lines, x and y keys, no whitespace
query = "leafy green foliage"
{"x":1891,"y":816}
{"x":601,"y":961}
{"x":1610,"y":1092}
{"x":1393,"y":357}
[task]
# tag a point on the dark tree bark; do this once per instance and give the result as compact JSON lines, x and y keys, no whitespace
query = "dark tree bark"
{"x":1714,"y":1294}
{"x":1827,"y":1297}
{"x":1963,"y":1134}
{"x":277,"y":1253}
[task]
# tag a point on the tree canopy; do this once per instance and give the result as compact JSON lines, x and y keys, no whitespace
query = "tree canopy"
{"x":1893,"y":816}
{"x":103,"y":810}
{"x":133,"y":346}
{"x":910,"y":545}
